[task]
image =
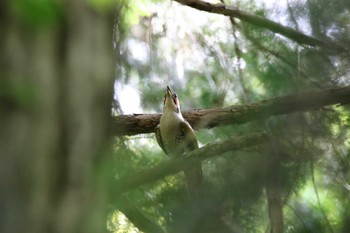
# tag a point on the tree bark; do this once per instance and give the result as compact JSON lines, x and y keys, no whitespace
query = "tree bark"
{"x":238,"y":114}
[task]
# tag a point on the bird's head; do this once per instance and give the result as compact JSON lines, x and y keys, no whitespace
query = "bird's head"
{"x":171,"y":102}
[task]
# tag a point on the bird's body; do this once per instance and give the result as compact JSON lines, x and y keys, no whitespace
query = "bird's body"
{"x":171,"y":124}
{"x":176,"y":136}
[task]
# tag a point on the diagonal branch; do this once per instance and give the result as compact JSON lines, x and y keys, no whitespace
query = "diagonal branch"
{"x":137,"y":217}
{"x":175,"y":165}
{"x":256,"y":20}
{"x":238,"y":114}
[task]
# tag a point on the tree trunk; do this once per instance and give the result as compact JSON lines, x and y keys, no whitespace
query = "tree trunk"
{"x":56,"y":86}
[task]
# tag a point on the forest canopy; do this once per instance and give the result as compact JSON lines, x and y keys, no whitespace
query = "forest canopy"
{"x":238,"y":55}
{"x":264,"y":84}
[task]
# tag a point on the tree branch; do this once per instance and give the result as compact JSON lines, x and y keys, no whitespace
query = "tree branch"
{"x":258,"y":21}
{"x":273,"y":185}
{"x":238,"y":114}
{"x":135,"y":215}
{"x":177,"y":164}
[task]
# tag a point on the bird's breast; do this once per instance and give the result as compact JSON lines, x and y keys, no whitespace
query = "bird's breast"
{"x":172,"y":135}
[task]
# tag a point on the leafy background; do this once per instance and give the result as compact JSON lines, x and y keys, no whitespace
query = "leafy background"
{"x":214,"y":61}
{"x":60,"y":164}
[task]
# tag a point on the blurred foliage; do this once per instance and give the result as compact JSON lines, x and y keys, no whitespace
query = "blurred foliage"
{"x":21,"y":95}
{"x":131,"y":10}
{"x":37,"y":13}
{"x":212,"y":61}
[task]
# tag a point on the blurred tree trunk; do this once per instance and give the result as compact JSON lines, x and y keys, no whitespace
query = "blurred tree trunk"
{"x":56,"y":83}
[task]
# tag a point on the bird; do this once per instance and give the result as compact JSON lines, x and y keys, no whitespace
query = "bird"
{"x":175,"y":136}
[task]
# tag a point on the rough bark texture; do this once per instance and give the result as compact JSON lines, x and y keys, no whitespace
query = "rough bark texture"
{"x":56,"y":86}
{"x":208,"y":118}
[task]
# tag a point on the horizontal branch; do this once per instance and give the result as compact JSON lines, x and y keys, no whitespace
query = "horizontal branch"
{"x":208,"y":118}
{"x":177,"y":164}
{"x":235,"y":12}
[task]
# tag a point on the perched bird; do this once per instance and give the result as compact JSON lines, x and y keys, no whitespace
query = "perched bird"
{"x":176,"y":136}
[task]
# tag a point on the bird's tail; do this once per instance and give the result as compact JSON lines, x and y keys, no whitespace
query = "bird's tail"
{"x":194,"y":179}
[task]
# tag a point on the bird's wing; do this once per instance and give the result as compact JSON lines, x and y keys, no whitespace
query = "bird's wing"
{"x":159,"y":138}
{"x":189,"y":136}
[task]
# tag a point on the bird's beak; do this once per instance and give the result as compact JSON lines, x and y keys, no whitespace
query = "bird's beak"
{"x":168,"y":91}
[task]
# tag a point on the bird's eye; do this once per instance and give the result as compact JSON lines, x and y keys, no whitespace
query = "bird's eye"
{"x":174,"y":95}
